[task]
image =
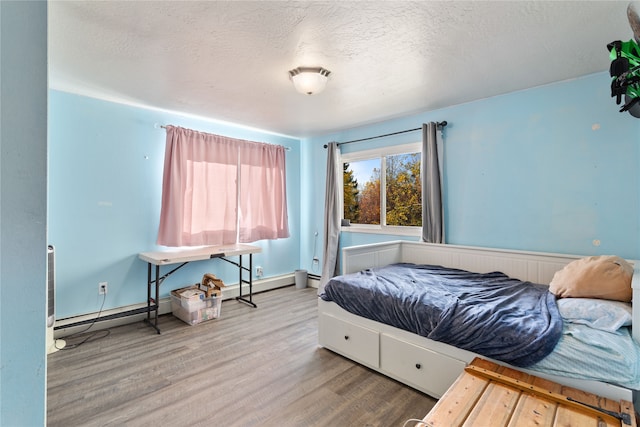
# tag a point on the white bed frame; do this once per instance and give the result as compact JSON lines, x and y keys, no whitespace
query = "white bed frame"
{"x":424,"y":364}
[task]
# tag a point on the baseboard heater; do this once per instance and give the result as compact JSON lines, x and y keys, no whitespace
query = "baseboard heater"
{"x":313,"y":280}
{"x":229,"y":293}
{"x":133,"y":312}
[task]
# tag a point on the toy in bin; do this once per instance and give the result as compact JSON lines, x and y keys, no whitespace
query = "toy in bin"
{"x":211,"y":285}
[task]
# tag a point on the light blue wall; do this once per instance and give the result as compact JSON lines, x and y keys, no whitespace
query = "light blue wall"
{"x":23,"y":203}
{"x":549,"y":169}
{"x":105,"y":185}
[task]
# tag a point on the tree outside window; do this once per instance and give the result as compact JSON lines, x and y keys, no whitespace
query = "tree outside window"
{"x":351,"y":193}
{"x":398,"y":175}
{"x":404,"y":190}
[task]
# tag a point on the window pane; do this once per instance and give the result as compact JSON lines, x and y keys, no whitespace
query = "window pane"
{"x":404,"y":190}
{"x":361,"y":194}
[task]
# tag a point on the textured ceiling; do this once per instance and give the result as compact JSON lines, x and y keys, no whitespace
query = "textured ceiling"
{"x":228,"y":60}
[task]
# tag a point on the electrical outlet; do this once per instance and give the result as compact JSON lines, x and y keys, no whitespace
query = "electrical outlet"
{"x":102,"y":288}
{"x":259,"y":271}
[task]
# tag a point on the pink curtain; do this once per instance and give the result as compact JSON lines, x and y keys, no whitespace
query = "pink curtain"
{"x":200,"y":198}
{"x":263,"y":201}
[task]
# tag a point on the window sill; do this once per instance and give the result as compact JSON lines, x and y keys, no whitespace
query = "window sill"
{"x":393,"y":231}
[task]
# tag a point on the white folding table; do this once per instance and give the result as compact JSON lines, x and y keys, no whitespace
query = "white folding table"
{"x":184,"y":256}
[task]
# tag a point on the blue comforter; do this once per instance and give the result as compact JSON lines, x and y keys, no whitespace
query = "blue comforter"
{"x":490,"y":314}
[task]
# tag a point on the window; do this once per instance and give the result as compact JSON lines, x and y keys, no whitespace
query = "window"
{"x":382,"y":190}
{"x":218,"y":190}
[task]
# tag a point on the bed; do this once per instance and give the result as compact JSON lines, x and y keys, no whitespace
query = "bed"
{"x":432,"y":366}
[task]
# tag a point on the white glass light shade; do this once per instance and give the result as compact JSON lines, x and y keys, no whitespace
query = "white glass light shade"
{"x":308,"y":80}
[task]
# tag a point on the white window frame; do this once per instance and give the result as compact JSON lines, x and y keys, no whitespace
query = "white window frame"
{"x":380,"y":153}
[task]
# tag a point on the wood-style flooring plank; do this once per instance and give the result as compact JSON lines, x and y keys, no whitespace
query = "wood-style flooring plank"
{"x":250,"y":367}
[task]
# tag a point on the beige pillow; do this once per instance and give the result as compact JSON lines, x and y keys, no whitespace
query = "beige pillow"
{"x":604,"y":277}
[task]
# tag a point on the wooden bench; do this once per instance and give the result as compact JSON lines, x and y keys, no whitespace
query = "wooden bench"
{"x":488,"y":394}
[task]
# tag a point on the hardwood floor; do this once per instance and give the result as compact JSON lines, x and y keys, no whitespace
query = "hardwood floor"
{"x":250,"y":367}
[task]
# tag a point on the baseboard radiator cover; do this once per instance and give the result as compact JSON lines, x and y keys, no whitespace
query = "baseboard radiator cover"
{"x":108,"y":318}
{"x":313,"y":280}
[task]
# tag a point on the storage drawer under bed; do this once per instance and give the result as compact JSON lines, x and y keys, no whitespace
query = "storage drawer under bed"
{"x":353,"y":341}
{"x":426,"y":370}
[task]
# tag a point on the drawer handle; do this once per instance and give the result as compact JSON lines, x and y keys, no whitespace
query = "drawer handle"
{"x":346,"y":337}
{"x":418,"y":366}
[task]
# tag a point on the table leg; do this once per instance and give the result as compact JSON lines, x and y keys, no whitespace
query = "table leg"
{"x":148,"y":292}
{"x":154,"y":325}
{"x":157,"y":297}
{"x":241,"y":268}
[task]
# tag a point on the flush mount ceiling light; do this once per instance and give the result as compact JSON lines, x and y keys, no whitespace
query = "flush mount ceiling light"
{"x":309,"y":80}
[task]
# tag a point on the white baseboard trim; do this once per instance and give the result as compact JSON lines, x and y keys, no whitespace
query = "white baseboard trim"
{"x":229,"y":292}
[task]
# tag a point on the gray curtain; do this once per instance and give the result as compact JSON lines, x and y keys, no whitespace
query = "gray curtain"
{"x":331,"y":217}
{"x":432,"y":218}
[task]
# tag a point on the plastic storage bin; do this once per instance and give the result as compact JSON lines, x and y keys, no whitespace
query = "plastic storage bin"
{"x":198,"y":311}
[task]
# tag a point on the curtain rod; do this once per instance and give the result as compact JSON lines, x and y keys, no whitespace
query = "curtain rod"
{"x":156,"y":125}
{"x":440,"y":124}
